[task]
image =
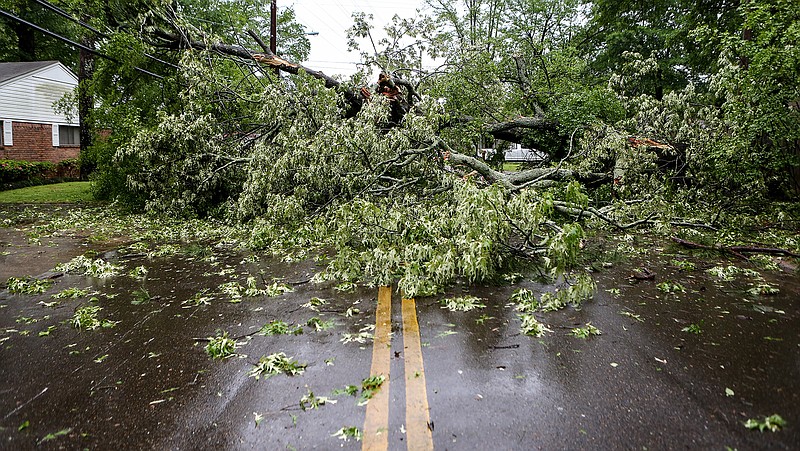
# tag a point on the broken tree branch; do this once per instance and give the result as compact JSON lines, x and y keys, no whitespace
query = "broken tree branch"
{"x":565,"y":207}
{"x":519,"y":180}
{"x":176,"y":41}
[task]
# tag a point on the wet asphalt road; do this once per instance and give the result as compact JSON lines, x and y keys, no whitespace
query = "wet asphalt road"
{"x":642,"y":384}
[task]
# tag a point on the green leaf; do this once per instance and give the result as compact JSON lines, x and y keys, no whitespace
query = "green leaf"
{"x":55,"y":435}
{"x":346,"y":433}
{"x":772,"y":423}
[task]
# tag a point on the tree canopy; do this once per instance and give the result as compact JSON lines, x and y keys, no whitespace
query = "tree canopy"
{"x":644,"y":113}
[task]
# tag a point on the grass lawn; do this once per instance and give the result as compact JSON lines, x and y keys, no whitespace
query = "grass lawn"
{"x":69,"y":192}
{"x":510,"y":167}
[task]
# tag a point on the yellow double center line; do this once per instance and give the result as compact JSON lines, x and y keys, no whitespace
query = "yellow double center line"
{"x":418,"y":431}
{"x":376,"y":424}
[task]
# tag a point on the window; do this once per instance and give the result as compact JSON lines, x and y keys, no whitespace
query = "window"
{"x":69,"y":135}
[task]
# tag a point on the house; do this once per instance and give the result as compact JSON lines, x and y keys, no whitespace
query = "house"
{"x":518,"y":154}
{"x":512,"y":152}
{"x":32,"y":130}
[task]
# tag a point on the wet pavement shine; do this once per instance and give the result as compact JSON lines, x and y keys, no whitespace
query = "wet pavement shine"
{"x":458,"y":381}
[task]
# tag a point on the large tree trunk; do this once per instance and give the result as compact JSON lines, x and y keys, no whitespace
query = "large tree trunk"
{"x":516,"y":130}
{"x":26,"y":41}
{"x":26,"y":36}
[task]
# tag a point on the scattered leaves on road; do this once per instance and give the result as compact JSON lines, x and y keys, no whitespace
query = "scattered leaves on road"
{"x":54,"y":435}
{"x":279,"y":327}
{"x":221,"y":346}
{"x":369,"y":387}
{"x":27,"y":285}
{"x":311,"y":401}
{"x":363,"y":335}
{"x":347,"y":433}
{"x":772,"y":423}
{"x":531,"y":326}
{"x":462,"y":303}
{"x":586,"y":331}
{"x":86,"y":318}
{"x":274,"y":364}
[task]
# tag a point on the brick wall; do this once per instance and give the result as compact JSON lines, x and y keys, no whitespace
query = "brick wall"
{"x":34,"y":142}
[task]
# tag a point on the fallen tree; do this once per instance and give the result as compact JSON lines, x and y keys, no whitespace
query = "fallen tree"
{"x":309,"y":176}
{"x":515,"y":131}
{"x":377,"y":173}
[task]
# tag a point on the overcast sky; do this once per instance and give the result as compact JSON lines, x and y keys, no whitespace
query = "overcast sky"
{"x":330,"y":18}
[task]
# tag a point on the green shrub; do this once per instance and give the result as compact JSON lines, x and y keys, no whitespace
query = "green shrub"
{"x":18,"y":173}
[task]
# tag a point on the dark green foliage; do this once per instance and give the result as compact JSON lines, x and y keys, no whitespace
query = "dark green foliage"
{"x":765,"y":96}
{"x":664,"y":30}
{"x":20,"y":42}
{"x":17,"y":173}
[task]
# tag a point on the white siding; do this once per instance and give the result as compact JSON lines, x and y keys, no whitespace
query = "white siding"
{"x":31,"y":98}
{"x":519,"y":153}
{"x":56,"y":73}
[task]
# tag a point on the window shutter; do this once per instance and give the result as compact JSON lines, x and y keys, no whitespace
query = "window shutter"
{"x":55,"y":135}
{"x":8,"y":134}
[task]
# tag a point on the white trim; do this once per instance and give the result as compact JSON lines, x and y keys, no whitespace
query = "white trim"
{"x":8,"y":133}
{"x":26,"y":121}
{"x":56,"y":137}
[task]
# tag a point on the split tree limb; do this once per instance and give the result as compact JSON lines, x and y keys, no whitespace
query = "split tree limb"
{"x":267,"y":58}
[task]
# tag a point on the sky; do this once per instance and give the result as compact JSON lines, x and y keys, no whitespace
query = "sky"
{"x":330,"y":18}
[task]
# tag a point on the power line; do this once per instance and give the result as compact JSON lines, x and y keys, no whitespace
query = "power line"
{"x":334,"y":62}
{"x":67,"y":16}
{"x":71,"y":42}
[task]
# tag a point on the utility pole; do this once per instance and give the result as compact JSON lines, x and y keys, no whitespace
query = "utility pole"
{"x":273,"y":31}
{"x":273,"y":28}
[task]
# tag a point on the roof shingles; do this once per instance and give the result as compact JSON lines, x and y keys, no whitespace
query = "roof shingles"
{"x":13,"y":70}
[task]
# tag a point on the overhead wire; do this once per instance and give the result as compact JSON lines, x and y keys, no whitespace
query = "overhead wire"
{"x":333,"y":29}
{"x":69,"y":17}
{"x":72,"y":43}
{"x":337,"y":3}
{"x":66,"y":15}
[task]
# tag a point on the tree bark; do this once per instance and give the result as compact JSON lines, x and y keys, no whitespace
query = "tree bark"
{"x":514,"y":182}
{"x":515,"y":130}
